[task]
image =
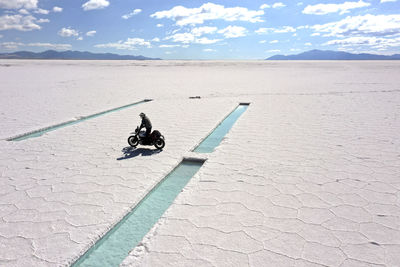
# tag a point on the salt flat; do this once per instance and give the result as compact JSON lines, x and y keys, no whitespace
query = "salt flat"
{"x":309,"y":175}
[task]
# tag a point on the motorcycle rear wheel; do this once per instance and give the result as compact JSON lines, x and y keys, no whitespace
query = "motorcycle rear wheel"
{"x":160,"y":143}
{"x":133,"y":141}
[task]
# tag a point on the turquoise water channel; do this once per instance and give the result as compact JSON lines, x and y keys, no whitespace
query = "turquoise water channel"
{"x":114,"y":247}
{"x":69,"y":123}
{"x":215,"y":138}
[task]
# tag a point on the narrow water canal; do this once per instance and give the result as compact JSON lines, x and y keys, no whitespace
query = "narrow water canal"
{"x":69,"y":123}
{"x":114,"y":247}
{"x":216,"y":136}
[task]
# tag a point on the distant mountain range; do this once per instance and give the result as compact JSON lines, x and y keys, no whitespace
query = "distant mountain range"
{"x":333,"y":55}
{"x":51,"y":54}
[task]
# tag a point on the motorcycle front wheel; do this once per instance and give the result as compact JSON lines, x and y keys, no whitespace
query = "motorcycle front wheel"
{"x":160,"y":143}
{"x":133,"y":141}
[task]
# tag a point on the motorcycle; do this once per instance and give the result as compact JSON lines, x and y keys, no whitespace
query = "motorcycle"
{"x":155,"y":139}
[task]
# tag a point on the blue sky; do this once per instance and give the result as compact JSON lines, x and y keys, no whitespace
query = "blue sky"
{"x":200,"y":29}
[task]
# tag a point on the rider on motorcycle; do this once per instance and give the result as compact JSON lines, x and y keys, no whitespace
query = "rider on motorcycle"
{"x":146,"y":123}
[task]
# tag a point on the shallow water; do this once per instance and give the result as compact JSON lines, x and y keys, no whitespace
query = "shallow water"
{"x":215,"y":138}
{"x":69,"y":123}
{"x":112,"y":249}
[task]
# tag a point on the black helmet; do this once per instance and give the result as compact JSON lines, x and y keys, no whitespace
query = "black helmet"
{"x":142,"y":114}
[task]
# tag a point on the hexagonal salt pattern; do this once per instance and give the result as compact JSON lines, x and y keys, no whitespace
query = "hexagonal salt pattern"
{"x":308,"y":175}
{"x":298,"y":181}
{"x":60,"y":192}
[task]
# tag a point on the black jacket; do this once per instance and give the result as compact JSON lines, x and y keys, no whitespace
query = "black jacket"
{"x":146,"y":123}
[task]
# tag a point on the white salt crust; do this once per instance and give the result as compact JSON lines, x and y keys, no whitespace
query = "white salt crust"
{"x":308,"y":175}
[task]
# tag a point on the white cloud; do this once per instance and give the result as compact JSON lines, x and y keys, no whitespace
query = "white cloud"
{"x":10,"y":45}
{"x":284,"y":29}
{"x":185,"y":38}
{"x":264,"y":6}
{"x":68,"y":32}
{"x":137,"y":42}
{"x":264,"y":30}
{"x":16,"y":4}
{"x":300,"y":3}
{"x":262,"y":41}
{"x":57,"y":9}
{"x":133,"y":13}
{"x":25,"y":6}
{"x":1,"y":36}
{"x":205,"y":41}
{"x":19,"y":23}
{"x":278,"y":5}
{"x":168,"y":46}
{"x":308,"y":44}
{"x":385,"y":1}
{"x":129,"y":44}
{"x":303,"y":27}
{"x":14,"y":45}
{"x":90,"y":33}
{"x":370,"y":25}
{"x":188,"y":37}
{"x":41,"y":11}
{"x":209,"y":11}
{"x":203,"y":30}
{"x":322,"y":9}
{"x":155,"y":39}
{"x":233,"y":31}
{"x":273,"y":51}
{"x":316,"y":34}
{"x":209,"y":50}
{"x":195,"y":35}
{"x":159,"y":25}
{"x":274,"y":42}
{"x":377,"y":43}
{"x":51,"y":46}
{"x":80,"y":38}
{"x":378,"y":33}
{"x":95,"y":4}
{"x":23,"y":11}
{"x":43,"y":21}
